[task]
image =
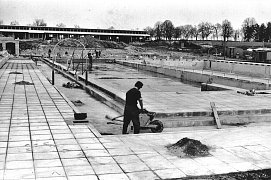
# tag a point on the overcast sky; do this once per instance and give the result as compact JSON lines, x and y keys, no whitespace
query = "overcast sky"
{"x":133,"y":14}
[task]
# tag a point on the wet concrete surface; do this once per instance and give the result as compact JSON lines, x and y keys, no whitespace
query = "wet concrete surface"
{"x":123,"y":78}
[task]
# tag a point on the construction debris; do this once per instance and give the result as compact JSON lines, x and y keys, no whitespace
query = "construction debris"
{"x":248,"y":93}
{"x":188,"y":147}
{"x":78,"y":103}
{"x":70,"y":85}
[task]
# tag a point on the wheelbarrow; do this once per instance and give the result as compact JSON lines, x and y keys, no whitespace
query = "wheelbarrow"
{"x":146,"y":119}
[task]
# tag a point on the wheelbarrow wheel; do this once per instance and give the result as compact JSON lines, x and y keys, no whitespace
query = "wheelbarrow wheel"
{"x":159,"y":128}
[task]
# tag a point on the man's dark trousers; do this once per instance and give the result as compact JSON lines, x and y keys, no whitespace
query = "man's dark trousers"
{"x":131,"y":114}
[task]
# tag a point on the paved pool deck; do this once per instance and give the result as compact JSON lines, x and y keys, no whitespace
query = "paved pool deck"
{"x":37,"y":143}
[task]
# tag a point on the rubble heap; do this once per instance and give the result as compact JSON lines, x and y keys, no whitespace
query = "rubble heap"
{"x":188,"y":147}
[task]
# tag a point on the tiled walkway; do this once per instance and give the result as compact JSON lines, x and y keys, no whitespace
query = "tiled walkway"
{"x":36,"y":143}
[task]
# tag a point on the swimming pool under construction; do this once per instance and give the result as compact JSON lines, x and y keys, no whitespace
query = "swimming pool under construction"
{"x":179,"y":96}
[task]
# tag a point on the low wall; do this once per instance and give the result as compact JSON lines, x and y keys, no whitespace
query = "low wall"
{"x":244,"y":68}
{"x":197,"y":76}
{"x":3,"y":60}
{"x":178,"y":63}
{"x":232,"y":43}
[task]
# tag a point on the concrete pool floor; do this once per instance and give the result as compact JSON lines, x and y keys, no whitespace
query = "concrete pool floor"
{"x":175,"y":100}
{"x":36,"y":143}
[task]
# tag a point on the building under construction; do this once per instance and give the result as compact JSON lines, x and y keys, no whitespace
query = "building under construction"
{"x":47,"y":33}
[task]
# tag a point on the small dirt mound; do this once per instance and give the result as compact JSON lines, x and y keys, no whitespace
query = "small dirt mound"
{"x":188,"y":147}
{"x":15,"y":72}
{"x":78,"y":103}
{"x":70,"y":85}
{"x":91,"y":42}
{"x":23,"y":83}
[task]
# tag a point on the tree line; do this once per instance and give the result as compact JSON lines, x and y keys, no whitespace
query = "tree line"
{"x":250,"y":31}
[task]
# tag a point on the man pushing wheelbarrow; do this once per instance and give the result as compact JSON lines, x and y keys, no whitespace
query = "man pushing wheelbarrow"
{"x":141,"y":118}
{"x":131,"y":110}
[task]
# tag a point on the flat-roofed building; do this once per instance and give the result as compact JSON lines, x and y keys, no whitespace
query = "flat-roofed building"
{"x":47,"y":33}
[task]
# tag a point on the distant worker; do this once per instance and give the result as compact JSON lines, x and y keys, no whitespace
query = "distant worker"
{"x":96,"y":54}
{"x":49,"y":53}
{"x":131,"y":110}
{"x":90,"y":61}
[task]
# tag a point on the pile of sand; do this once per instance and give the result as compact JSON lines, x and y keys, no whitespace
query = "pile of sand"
{"x":188,"y":147}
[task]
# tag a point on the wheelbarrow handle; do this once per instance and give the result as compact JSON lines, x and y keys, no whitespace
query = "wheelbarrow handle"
{"x":114,"y":123}
{"x":113,"y":119}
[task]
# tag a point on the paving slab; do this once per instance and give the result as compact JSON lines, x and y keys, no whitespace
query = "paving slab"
{"x":48,"y":148}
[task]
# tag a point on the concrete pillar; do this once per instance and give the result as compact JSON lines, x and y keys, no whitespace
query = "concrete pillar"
{"x":17,"y":49}
{"x":4,"y":46}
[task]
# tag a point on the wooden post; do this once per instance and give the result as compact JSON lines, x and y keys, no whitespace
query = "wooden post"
{"x":215,"y":115}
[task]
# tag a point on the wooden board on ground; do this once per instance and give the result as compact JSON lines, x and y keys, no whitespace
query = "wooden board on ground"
{"x":215,"y":115}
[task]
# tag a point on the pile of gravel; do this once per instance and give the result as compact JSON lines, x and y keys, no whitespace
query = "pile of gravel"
{"x":188,"y":147}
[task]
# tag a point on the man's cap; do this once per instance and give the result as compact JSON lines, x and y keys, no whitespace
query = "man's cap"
{"x":139,"y":84}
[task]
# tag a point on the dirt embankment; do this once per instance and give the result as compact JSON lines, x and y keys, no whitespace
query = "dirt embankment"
{"x":161,"y":50}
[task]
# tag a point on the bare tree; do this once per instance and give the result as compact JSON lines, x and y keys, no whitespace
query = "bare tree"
{"x":195,"y":32}
{"x":14,"y":23}
{"x":177,"y":32}
{"x":168,"y":29}
{"x":61,"y":25}
{"x":216,"y":29}
{"x":248,"y":28}
{"x":249,"y":21}
{"x":1,"y":22}
{"x":158,"y":30}
{"x":227,"y":32}
{"x":39,"y":22}
{"x":149,"y":31}
{"x":236,"y":34}
{"x":227,"y":29}
{"x":76,"y":26}
{"x":111,"y":27}
{"x":188,"y":31}
{"x":205,"y":29}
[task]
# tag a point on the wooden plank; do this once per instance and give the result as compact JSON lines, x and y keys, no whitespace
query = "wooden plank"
{"x":215,"y":115}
